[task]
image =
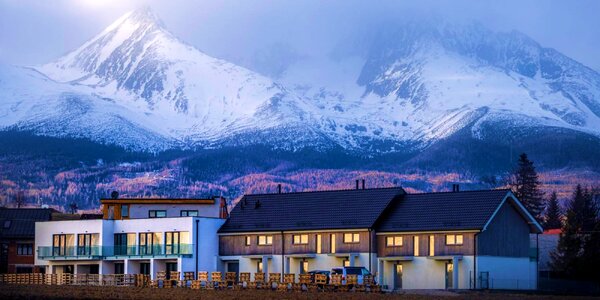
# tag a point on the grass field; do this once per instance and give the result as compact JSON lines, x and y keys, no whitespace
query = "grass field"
{"x":91,"y":292}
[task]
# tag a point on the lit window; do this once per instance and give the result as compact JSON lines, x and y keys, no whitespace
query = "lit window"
{"x":431,"y":245}
{"x":394,"y":241}
{"x":351,"y":237}
{"x":248,"y":240}
{"x":319,"y":244}
{"x":265,"y":240}
{"x":300,"y":239}
{"x":259,"y":267}
{"x":416,"y":245}
{"x":454,"y":239}
{"x":346,"y":263}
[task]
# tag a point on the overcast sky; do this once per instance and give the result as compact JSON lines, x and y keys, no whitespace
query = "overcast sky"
{"x":34,"y":32}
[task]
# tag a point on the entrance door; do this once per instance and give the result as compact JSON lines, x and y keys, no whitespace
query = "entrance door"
{"x":397,"y":276}
{"x":170,"y":267}
{"x":234,"y":267}
{"x":145,"y":268}
{"x":119,"y":268}
{"x":449,"y":279}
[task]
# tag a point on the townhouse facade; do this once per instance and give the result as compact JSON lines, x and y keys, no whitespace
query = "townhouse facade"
{"x":448,"y":240}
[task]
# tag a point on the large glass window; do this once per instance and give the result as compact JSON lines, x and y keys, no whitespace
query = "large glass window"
{"x":86,"y":243}
{"x":300,"y":239}
{"x":174,"y":241}
{"x":265,"y":240}
{"x":125,"y":211}
{"x":351,"y":238}
{"x":124,"y":244}
{"x":62,"y":244}
{"x":147,"y":243}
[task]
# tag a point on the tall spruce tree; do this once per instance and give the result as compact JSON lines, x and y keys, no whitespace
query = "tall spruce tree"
{"x":525,"y":186}
{"x":581,"y":221}
{"x":553,"y":219}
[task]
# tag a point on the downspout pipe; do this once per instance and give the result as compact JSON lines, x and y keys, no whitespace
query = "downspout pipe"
{"x":370,"y":266}
{"x":282,"y":254}
{"x":197,"y":251}
{"x":475,"y":260}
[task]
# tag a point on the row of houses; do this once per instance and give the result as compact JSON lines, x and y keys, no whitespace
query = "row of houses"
{"x":447,"y":240}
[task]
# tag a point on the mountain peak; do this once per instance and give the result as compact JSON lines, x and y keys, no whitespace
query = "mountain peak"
{"x":143,"y":14}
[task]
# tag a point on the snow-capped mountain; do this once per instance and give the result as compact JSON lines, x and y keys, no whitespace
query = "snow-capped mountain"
{"x":138,"y":86}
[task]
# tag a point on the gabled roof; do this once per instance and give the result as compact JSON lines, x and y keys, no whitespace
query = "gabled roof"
{"x":20,"y":222}
{"x":320,"y":210}
{"x":442,"y":211}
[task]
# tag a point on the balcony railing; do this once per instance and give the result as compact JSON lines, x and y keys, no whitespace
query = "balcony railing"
{"x":167,"y":250}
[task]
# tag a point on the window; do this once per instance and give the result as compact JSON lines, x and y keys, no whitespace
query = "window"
{"x":265,"y":240}
{"x":454,"y":239}
{"x":24,"y":249}
{"x":125,"y":211}
{"x":86,"y":243}
{"x":346,"y":263}
{"x":147,"y":243}
{"x":189,"y":213}
{"x":259,"y":267}
{"x":157,"y":214}
{"x":300,"y":239}
{"x":174,"y":241}
{"x":119,"y":268}
{"x":332,"y":239}
{"x":62,"y":244}
{"x":124,"y":244}
{"x":416,"y":245}
{"x":7,"y":224}
{"x":394,"y":241}
{"x":351,"y":238}
{"x":248,"y":240}
{"x":319,"y":244}
{"x":431,"y":245}
{"x":111,"y":212}
{"x":304,"y":267}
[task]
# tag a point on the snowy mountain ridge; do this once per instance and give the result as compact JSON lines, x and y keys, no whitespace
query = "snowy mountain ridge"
{"x":135,"y":85}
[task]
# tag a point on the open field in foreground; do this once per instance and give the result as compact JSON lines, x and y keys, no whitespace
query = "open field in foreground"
{"x":90,"y":292}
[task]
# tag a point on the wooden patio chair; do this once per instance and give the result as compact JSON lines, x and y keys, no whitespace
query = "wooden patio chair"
{"x":188,"y":278}
{"x":274,"y":280}
{"x":305,"y":283}
{"x":367,"y":285}
{"x":321,"y":281}
{"x":351,"y":281}
{"x":336,"y":282}
{"x":244,"y":280}
{"x":216,"y":280}
{"x":289,"y":282}
{"x":259,"y":280}
{"x":202,"y":281}
{"x":230,"y":279}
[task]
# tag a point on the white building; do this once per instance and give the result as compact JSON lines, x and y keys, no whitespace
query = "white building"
{"x":122,"y":244}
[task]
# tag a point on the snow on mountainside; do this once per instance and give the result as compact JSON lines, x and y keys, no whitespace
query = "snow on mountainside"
{"x":138,"y":86}
{"x":186,"y":95}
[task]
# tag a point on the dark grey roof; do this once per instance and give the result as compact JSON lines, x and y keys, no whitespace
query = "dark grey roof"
{"x":342,"y":209}
{"x":20,"y":222}
{"x":442,"y":211}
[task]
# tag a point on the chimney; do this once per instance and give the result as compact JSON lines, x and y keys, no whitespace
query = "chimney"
{"x":279,"y":188}
{"x":223,"y":214}
{"x":455,"y":188}
{"x":357,"y":184}
{"x":363,"y":184}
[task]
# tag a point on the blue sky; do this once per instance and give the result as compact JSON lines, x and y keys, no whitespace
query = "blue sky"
{"x":34,"y":32}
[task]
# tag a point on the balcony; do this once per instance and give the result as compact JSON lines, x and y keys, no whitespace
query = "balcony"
{"x":115,"y":252}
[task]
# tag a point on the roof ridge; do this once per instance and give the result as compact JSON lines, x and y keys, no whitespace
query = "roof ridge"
{"x":451,"y":192}
{"x":325,"y":191}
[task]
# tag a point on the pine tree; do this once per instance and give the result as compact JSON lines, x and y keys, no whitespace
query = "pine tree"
{"x":525,"y":186}
{"x":553,"y":219}
{"x":570,"y":256}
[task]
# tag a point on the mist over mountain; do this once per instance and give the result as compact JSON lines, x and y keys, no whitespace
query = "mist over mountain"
{"x":424,"y":95}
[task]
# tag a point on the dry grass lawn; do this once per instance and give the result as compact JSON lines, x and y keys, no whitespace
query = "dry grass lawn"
{"x":91,"y":292}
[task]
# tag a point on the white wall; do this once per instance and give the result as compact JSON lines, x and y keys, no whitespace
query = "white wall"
{"x":426,"y":273}
{"x":45,"y":230}
{"x":509,"y":272}
{"x":140,"y":211}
